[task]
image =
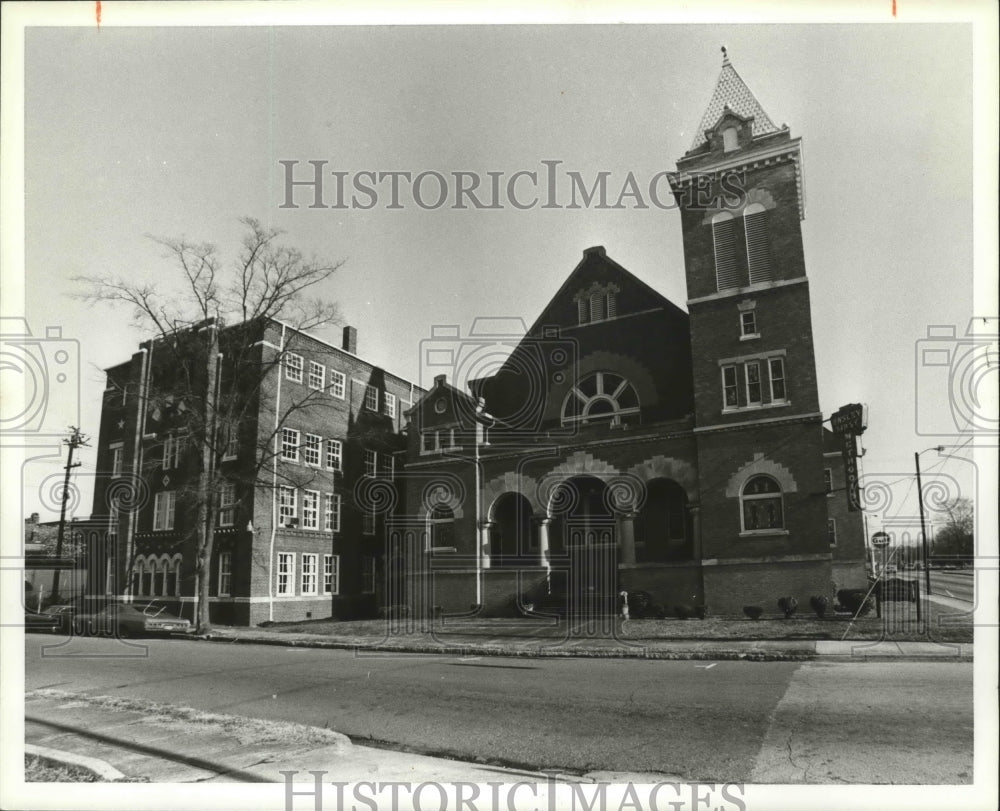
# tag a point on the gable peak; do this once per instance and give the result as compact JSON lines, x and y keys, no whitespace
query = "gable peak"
{"x":732,"y":95}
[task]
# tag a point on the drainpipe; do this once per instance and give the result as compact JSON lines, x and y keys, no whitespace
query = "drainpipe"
{"x":274,"y":481}
{"x":480,"y":405}
{"x":142,"y":395}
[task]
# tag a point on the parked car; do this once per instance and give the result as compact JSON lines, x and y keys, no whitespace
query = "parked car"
{"x":41,"y":621}
{"x":63,"y":615}
{"x":130,"y":619}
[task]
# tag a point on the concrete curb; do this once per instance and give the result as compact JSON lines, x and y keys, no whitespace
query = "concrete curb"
{"x":104,"y":770}
{"x":806,"y":652}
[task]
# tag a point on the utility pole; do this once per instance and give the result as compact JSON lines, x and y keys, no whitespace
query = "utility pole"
{"x":75,"y":440}
{"x":923,"y":528}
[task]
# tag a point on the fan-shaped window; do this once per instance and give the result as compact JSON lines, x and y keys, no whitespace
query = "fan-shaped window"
{"x":602,"y":397}
{"x":762,"y":504}
{"x":724,"y":242}
{"x":758,"y":253}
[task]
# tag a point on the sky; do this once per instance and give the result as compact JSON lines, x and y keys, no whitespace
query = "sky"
{"x":149,"y":131}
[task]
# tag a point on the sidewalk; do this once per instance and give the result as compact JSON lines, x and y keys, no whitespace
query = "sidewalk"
{"x":144,"y":742}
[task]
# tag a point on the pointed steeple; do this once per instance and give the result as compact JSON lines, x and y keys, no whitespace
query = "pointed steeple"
{"x":731,"y":92}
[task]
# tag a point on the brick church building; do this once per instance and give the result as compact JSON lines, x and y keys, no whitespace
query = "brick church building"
{"x":626,"y":444}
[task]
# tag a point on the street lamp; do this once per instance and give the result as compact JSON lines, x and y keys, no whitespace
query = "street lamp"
{"x":923,"y":528}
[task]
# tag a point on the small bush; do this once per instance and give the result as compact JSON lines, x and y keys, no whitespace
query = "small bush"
{"x":701,"y":612}
{"x":683,"y":612}
{"x":753,"y":611}
{"x":788,"y":606}
{"x":640,"y":604}
{"x":819,"y":605}
{"x":854,"y":601}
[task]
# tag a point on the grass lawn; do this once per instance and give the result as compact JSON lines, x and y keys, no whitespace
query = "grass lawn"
{"x":898,"y":623}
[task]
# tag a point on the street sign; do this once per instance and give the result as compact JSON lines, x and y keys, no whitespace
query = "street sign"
{"x":880,"y":539}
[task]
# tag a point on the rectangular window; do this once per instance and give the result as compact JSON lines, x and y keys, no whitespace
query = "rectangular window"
{"x":310,"y":509}
{"x":286,"y":573}
{"x":227,"y":504}
{"x":331,"y":515}
{"x":310,"y":573}
{"x":225,"y":573}
{"x":388,"y":466}
{"x":311,"y":450}
{"x":367,"y":575}
{"x":113,"y":520}
{"x":831,"y":531}
{"x":390,"y":405}
{"x":334,"y":454}
{"x":371,"y":462}
{"x":229,"y":440}
{"x":730,"y":387}
{"x":753,"y":383}
{"x":371,"y":398}
{"x":117,"y":457}
{"x":430,"y":441}
{"x":748,"y":323}
{"x":828,"y":479}
{"x":368,"y":522}
{"x":777,"y":368}
{"x":293,"y":367}
{"x":164,"y":505}
{"x":331,"y":574}
{"x":289,"y":444}
{"x":317,"y":375}
{"x":287,"y":509}
{"x":338,"y":383}
{"x":171,"y":451}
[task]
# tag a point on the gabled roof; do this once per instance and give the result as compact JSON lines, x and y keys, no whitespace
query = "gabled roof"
{"x":731,"y":92}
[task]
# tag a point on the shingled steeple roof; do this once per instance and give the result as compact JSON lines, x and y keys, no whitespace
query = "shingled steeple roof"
{"x":731,"y":92}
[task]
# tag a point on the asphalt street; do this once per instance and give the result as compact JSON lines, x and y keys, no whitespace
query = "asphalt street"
{"x":764,"y":722}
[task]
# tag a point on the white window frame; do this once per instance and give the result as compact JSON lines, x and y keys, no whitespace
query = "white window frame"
{"x":331,"y":513}
{"x":389,"y":466}
{"x":293,"y":367}
{"x":310,"y":509}
{"x":309,"y":573}
{"x":287,"y":505}
{"x":331,"y":574}
{"x":759,"y":383}
{"x":748,"y":330}
{"x":285,"y":575}
{"x":227,"y":504}
{"x":317,"y":376}
{"x":367,"y":574}
{"x":290,"y":440}
{"x":371,"y":398}
{"x":371,"y":462}
{"x":164,"y":509}
{"x":312,"y":450}
{"x":225,"y":587}
{"x":334,"y":454}
{"x":389,"y":404}
{"x":771,"y":362}
{"x":117,"y":458}
{"x":171,"y":451}
{"x":733,"y":387}
{"x":229,"y":439}
{"x":338,"y":384}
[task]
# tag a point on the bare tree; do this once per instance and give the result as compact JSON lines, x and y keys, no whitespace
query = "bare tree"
{"x":955,"y":539}
{"x":210,"y":374}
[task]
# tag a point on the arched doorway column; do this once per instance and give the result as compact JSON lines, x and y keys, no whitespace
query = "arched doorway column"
{"x":626,"y":537}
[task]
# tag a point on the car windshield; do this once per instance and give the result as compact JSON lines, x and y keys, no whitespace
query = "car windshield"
{"x":150,"y":609}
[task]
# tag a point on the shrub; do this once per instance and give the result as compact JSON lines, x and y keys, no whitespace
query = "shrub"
{"x":819,"y":605}
{"x":855,"y":601}
{"x":701,"y":612}
{"x":753,"y":611}
{"x":640,"y":604}
{"x":659,"y":611}
{"x":788,"y":606}
{"x":683,"y":612}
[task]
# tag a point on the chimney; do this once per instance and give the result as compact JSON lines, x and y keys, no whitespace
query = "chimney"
{"x":350,"y":343}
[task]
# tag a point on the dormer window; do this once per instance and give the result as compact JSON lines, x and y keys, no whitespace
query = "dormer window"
{"x":730,"y":139}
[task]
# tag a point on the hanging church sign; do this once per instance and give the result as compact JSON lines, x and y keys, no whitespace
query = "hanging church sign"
{"x":848,"y":422}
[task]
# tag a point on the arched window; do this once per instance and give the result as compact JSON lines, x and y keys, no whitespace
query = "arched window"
{"x":173,"y":577}
{"x":762,"y":504}
{"x":758,"y":253}
{"x":724,"y":243}
{"x":160,"y":580}
{"x":601,"y":397}
{"x":137,"y":573}
{"x":148,"y":576}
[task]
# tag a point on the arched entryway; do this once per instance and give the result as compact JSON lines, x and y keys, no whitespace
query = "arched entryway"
{"x":512,"y":539}
{"x":584,"y":534}
{"x":663,"y":528}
